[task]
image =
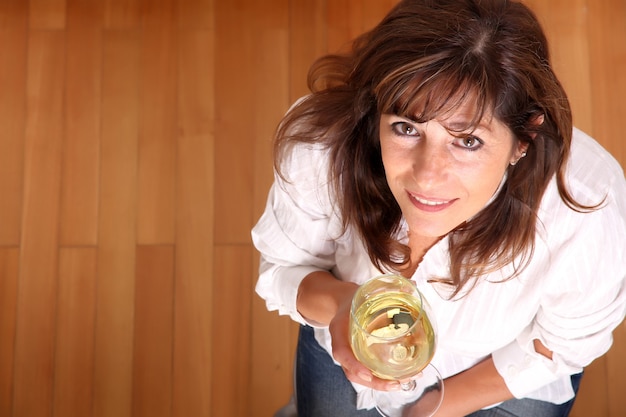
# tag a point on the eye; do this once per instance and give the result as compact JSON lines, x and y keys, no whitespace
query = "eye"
{"x":469,"y":142}
{"x":404,"y":129}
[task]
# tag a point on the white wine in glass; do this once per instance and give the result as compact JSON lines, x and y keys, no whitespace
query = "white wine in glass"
{"x":392,"y":334}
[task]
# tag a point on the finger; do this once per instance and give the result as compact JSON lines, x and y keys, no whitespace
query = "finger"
{"x":371,"y":381}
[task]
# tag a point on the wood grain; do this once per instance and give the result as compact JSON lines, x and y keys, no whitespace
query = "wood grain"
{"x":75,"y":318}
{"x":307,"y":41}
{"x":157,"y":134}
{"x":13,"y":43}
{"x":117,"y":225}
{"x":607,"y":60}
{"x":566,"y":25}
{"x":232,"y":324}
{"x":81,"y":146}
{"x":47,"y":14}
{"x":195,"y":224}
{"x":234,"y":61}
{"x":153,"y":330}
{"x":122,"y":14}
{"x":9,"y":271}
{"x":36,"y":300}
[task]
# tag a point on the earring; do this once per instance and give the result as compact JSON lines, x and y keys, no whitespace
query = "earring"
{"x":523,"y":154}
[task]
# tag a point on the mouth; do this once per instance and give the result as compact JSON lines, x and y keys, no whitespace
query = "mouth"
{"x":431,"y":205}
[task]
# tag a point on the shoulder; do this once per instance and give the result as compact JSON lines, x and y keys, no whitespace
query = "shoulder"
{"x":593,"y":176}
{"x":592,"y":172}
{"x":306,"y":164}
{"x":305,"y":170}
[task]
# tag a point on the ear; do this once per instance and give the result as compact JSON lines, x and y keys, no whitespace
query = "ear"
{"x":519,"y":153}
{"x":522,"y":147}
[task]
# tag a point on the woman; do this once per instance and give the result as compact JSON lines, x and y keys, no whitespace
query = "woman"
{"x":442,"y":148}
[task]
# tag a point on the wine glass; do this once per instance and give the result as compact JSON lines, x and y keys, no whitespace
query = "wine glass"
{"x":393,"y":336}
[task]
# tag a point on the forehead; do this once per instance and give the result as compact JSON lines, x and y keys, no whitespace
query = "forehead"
{"x":467,"y":115}
{"x":442,"y":99}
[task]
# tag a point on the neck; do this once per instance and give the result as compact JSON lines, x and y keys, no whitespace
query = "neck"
{"x":419,"y":245}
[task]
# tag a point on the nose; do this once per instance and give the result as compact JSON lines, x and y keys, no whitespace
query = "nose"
{"x":430,"y":163}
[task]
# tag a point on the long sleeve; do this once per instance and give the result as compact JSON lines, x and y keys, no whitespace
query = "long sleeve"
{"x":294,"y":234}
{"x":584,"y":290}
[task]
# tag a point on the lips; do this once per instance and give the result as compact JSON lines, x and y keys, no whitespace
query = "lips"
{"x":428,"y":204}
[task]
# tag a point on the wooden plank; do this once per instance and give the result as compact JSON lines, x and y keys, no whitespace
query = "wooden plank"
{"x":9,"y":270}
{"x":274,"y":341}
{"x":13,"y":12}
{"x":616,"y":369}
{"x":271,"y":63}
{"x":12,"y":118}
{"x":122,"y":14}
{"x":234,"y":117}
{"x":307,"y":42}
{"x":194,"y":226}
{"x":47,"y":14}
{"x":152,"y":359}
{"x":374,"y":11}
{"x":34,"y":345}
{"x":607,"y":61}
{"x":74,"y":352}
{"x":592,"y":395}
{"x":232,"y":351}
{"x":117,"y":225}
{"x":195,"y":14}
{"x":273,"y":350}
{"x":280,"y":344}
{"x":281,"y":354}
{"x":565,"y":24}
{"x":345,"y":22}
{"x":157,"y":135}
{"x":79,"y":192}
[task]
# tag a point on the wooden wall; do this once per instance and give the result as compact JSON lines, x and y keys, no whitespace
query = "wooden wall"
{"x":134,"y":160}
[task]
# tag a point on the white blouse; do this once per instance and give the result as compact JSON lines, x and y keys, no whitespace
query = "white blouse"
{"x":570,"y":297}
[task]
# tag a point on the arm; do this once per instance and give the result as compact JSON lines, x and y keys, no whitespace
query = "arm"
{"x":321,"y":296}
{"x":473,"y":389}
{"x":477,"y":387}
{"x":325,"y":300}
{"x":292,"y":234}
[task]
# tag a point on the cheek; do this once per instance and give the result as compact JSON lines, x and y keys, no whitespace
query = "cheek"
{"x":395,"y":164}
{"x":483,"y":188}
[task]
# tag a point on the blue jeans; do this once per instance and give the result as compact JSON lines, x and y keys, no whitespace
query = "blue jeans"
{"x":322,"y":389}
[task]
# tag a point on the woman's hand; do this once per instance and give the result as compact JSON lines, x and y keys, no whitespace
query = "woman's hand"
{"x":324,"y":299}
{"x":355,"y":371}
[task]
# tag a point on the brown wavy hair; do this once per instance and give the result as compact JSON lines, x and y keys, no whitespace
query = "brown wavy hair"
{"x":425,"y":58}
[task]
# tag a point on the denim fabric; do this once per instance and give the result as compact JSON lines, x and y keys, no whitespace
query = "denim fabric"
{"x":531,"y":408}
{"x":322,"y":390}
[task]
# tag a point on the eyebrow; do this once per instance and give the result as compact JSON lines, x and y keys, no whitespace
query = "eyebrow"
{"x":461,"y":126}
{"x":455,"y":126}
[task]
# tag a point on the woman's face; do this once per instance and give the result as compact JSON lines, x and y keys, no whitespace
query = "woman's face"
{"x":441,"y":179}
